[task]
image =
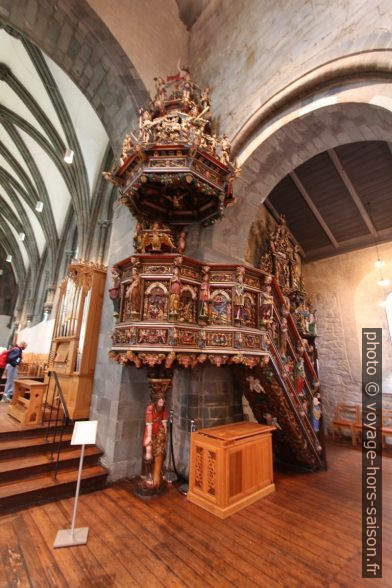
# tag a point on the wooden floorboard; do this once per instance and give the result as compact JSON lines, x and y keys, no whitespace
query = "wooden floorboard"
{"x":306,"y":534}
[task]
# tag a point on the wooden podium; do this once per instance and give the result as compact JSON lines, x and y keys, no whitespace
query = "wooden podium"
{"x":27,"y":399}
{"x":230,"y":467}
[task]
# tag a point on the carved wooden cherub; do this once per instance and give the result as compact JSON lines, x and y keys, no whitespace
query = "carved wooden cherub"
{"x":181,"y":242}
{"x":225,"y":150}
{"x":160,"y":89}
{"x":156,"y":237}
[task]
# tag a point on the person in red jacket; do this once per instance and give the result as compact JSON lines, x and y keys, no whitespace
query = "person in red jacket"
{"x":3,"y":361}
{"x":14,"y":357}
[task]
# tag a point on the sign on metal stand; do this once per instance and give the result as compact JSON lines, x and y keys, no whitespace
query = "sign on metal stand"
{"x":84,"y":433}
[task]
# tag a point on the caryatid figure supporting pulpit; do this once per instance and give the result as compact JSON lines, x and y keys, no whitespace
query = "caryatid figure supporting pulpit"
{"x":154,"y":439}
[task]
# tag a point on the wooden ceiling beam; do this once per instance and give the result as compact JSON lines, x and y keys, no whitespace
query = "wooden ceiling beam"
{"x":352,"y":191}
{"x":305,"y":195}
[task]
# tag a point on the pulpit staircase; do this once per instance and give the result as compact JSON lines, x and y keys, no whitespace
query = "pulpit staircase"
{"x":290,"y":383}
{"x":38,"y":463}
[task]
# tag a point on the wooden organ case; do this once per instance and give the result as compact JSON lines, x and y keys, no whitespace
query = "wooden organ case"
{"x":75,"y":336}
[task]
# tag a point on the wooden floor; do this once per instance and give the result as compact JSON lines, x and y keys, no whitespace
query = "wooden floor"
{"x":306,"y":534}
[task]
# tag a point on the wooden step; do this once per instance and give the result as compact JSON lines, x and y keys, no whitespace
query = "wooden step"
{"x":20,"y":493}
{"x":31,"y":465}
{"x":27,"y":431}
{"x":30,"y":444}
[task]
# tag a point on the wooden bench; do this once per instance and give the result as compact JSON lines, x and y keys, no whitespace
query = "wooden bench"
{"x":357,"y":427}
{"x":346,"y":417}
{"x":27,"y":401}
{"x":386,"y":427}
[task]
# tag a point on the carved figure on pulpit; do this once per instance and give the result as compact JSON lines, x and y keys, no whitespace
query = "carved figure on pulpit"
{"x":114,"y":291}
{"x":181,"y":243}
{"x":186,"y":95}
{"x":239,"y":295}
{"x":155,"y":238}
{"x":204,"y":295}
{"x":220,"y":308}
{"x":187,"y":310}
{"x":271,"y":421}
{"x":312,"y":323}
{"x":316,"y":413}
{"x":302,"y":319}
{"x":294,"y":268}
{"x":175,"y":293}
{"x":299,"y":375}
{"x":152,"y":336}
{"x":126,"y":148}
{"x":283,"y":337}
{"x":266,"y":306}
{"x":254,"y":385}
{"x":273,"y":329}
{"x":212,"y":144}
{"x":137,"y":239}
{"x":289,"y":365}
{"x":160,"y":89}
{"x":132,"y":336}
{"x":133,"y":296}
{"x":155,"y":437}
{"x":145,"y":125}
{"x":225,"y":150}
{"x":156,"y":300}
{"x":249,"y":310}
{"x":202,"y":338}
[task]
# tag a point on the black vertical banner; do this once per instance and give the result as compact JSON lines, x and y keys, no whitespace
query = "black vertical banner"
{"x":371,"y":453}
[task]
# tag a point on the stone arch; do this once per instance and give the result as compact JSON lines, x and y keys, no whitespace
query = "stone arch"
{"x":356,"y":112}
{"x":70,"y":33}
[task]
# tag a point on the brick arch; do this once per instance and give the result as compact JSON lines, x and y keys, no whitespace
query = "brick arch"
{"x":330,"y":119}
{"x":75,"y":38}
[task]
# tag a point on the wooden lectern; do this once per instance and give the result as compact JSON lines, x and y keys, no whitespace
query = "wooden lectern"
{"x":230,"y":467}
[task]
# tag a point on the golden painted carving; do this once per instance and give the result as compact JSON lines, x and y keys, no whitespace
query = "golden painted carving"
{"x":175,"y":137}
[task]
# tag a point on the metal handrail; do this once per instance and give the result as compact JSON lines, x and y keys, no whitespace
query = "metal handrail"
{"x":57,"y":401}
{"x":61,"y":395}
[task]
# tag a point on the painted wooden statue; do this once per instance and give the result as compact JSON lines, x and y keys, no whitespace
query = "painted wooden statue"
{"x":155,"y":438}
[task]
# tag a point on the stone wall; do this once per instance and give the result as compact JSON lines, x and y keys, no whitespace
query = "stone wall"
{"x":208,"y":395}
{"x":151,"y":34}
{"x":249,"y":50}
{"x":5,"y":331}
{"x":345,"y":293}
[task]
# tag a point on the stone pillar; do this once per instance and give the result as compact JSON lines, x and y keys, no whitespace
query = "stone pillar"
{"x":120,"y":394}
{"x":208,"y":395}
{"x":49,"y":300}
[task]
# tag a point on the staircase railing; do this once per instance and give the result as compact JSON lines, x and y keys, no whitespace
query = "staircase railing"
{"x":301,"y":416}
{"x":58,"y":420}
{"x":285,"y":368}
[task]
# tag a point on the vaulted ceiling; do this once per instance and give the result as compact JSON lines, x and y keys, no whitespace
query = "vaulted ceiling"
{"x":42,"y":113}
{"x":340,"y":200}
